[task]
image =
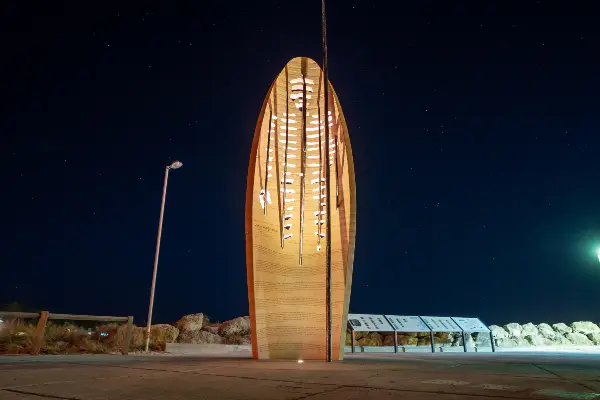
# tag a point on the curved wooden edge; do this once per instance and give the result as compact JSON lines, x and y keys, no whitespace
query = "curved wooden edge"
{"x":249,"y":204}
{"x":352,"y":224}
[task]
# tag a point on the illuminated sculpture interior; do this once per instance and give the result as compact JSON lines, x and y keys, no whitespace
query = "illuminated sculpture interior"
{"x":286,"y":218}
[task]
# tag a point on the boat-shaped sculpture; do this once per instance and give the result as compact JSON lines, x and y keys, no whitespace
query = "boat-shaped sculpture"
{"x":286,"y":218}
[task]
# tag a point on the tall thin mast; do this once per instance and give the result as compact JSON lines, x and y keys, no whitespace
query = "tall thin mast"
{"x":327,"y":184}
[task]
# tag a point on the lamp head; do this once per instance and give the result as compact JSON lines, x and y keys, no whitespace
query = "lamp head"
{"x":176,"y":165}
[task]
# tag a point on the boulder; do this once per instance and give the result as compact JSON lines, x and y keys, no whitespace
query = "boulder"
{"x":424,"y":341}
{"x":561,"y":340}
{"x":191,"y":322}
{"x":348,"y":339}
{"x":561,"y":328}
{"x":199,"y":337}
{"x":388,"y":340}
{"x":482,"y":339}
{"x":238,"y":339}
{"x":546,"y":331}
{"x":585,"y":327}
{"x":237,"y":326}
{"x":406,"y":340}
{"x":456,"y":339}
{"x":594,"y":337}
{"x":506,"y":342}
{"x":470,"y":341}
{"x":164,"y":333}
{"x":212,"y":328}
{"x":513,"y":329}
{"x":372,"y":339}
{"x":537,"y":340}
{"x":579,"y":339}
{"x":498,"y":332}
{"x":529,"y":329}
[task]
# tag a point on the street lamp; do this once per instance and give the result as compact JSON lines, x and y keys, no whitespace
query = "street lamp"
{"x":174,"y":165}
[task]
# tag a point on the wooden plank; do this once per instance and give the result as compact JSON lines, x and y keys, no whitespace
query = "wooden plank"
{"x":74,"y":317}
{"x":128,"y":336}
{"x":10,"y":314}
{"x":39,"y":333}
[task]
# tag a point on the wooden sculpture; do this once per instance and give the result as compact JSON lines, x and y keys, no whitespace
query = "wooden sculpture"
{"x":285,"y":219}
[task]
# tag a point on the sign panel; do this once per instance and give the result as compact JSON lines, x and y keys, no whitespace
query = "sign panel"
{"x":441,"y":324}
{"x":407,"y":323}
{"x":471,"y":324}
{"x":369,"y":323}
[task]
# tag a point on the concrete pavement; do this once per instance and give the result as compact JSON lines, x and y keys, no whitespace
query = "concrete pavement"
{"x":362,"y":376}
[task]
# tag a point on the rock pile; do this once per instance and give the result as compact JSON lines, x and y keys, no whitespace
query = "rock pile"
{"x":197,"y":329}
{"x":582,"y":333}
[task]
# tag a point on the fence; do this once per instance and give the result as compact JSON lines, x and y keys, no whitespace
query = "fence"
{"x":44,"y":316}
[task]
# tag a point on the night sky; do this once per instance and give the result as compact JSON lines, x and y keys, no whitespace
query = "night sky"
{"x":474,"y":127}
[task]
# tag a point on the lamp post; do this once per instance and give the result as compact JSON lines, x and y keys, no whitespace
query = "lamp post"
{"x":174,"y":165}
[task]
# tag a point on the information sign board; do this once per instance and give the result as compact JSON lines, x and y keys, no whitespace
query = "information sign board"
{"x":471,"y":324}
{"x":369,"y":323}
{"x":441,"y":324}
{"x":407,"y":323}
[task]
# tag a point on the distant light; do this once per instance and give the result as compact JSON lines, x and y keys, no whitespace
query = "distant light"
{"x":176,"y":164}
{"x":300,"y":361}
{"x":598,"y":252}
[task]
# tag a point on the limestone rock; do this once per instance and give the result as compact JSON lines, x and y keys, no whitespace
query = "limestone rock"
{"x":238,"y":339}
{"x":164,"y":333}
{"x":388,"y":340}
{"x":372,"y":339}
{"x":482,"y":339}
{"x":561,"y":328}
{"x":191,"y":322}
{"x":456,"y":339}
{"x":513,"y":329}
{"x":498,"y":332}
{"x":212,"y":328}
{"x":470,"y":341}
{"x":538,"y":340}
{"x":237,"y":326}
{"x":506,"y":342}
{"x":585,"y":327}
{"x":406,"y":340}
{"x":546,"y":331}
{"x":594,"y":337}
{"x":424,"y":341}
{"x":579,"y":339}
{"x":199,"y":337}
{"x":529,"y":329}
{"x":561,"y":340}
{"x":348,"y":339}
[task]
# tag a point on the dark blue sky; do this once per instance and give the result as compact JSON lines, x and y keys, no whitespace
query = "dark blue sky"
{"x":473,"y":124}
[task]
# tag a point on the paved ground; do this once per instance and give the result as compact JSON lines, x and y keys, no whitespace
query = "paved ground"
{"x":441,"y":376}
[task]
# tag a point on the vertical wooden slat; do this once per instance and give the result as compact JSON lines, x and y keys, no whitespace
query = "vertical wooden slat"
{"x":40,"y":329}
{"x":285,"y":154}
{"x":128,"y":333}
{"x":303,"y":162}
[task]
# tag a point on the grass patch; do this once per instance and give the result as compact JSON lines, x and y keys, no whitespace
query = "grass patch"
{"x":16,"y":337}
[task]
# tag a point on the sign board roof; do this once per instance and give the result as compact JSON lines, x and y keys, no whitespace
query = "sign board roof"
{"x":471,"y":324}
{"x":369,"y":323}
{"x":407,"y":323}
{"x":441,"y":324}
